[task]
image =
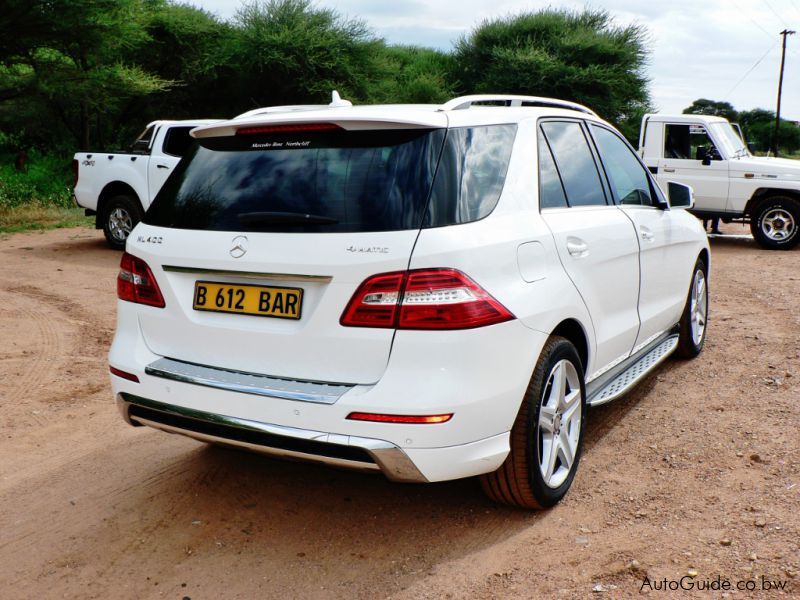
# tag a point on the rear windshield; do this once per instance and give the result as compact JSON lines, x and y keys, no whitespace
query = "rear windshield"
{"x":344,"y":181}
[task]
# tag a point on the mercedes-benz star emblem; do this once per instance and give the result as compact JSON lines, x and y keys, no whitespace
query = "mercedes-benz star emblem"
{"x":239,"y":248}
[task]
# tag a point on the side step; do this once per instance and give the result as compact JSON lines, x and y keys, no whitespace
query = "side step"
{"x":623,"y":382}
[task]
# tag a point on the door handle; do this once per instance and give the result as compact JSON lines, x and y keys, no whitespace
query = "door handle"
{"x":666,"y":170}
{"x":577,"y":248}
{"x":646,"y":234}
{"x":162,"y":167}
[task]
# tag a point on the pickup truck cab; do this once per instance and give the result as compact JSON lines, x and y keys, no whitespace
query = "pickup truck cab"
{"x":707,"y":153}
{"x":118,"y":187}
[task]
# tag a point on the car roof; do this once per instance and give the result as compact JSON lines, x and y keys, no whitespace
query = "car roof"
{"x":685,"y":118}
{"x":463,"y":111}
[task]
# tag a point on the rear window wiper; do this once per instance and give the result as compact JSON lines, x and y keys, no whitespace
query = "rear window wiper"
{"x":284,"y":218}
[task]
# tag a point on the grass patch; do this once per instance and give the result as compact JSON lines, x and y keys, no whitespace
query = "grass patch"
{"x":32,"y":216}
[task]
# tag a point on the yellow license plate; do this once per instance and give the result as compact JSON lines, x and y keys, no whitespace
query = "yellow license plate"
{"x":259,"y":300}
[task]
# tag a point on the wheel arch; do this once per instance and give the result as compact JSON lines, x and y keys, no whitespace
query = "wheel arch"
{"x":115,"y":188}
{"x":763,"y":193}
{"x":572,"y":330}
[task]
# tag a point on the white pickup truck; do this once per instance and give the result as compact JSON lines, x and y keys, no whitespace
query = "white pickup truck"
{"x":118,"y":187}
{"x":729,"y":183}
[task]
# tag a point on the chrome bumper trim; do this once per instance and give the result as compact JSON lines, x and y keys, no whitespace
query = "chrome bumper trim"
{"x":389,"y":459}
{"x":249,"y":274}
{"x":247,"y":383}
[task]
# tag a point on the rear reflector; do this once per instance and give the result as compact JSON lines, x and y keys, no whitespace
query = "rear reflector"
{"x":423,"y":299}
{"x":123,"y":374}
{"x":413,"y":419}
{"x":135,"y":282}
{"x":290,"y":128}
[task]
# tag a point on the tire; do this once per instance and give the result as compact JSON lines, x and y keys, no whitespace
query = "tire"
{"x":694,"y":320}
{"x":775,"y":224}
{"x":520,"y":480}
{"x":120,"y":215}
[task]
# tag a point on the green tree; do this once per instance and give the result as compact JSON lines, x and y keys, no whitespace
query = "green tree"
{"x":410,"y":74}
{"x":759,"y":128}
{"x":702,"y":106}
{"x":580,"y":56}
{"x":290,"y":52}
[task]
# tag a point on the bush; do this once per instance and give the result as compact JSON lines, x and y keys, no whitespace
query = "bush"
{"x":47,"y":181}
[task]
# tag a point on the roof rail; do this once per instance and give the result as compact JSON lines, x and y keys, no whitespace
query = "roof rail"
{"x":513,"y":100}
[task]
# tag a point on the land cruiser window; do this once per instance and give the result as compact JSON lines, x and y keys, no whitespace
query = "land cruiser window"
{"x":551,"y":192}
{"x":471,"y":174}
{"x":685,"y":141}
{"x":178,"y":141}
{"x":625,"y":173}
{"x":575,"y":163}
{"x":325,"y":181}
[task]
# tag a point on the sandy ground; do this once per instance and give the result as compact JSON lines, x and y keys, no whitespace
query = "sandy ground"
{"x":698,"y":469}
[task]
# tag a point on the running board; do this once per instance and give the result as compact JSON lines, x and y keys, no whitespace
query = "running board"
{"x":623,"y":382}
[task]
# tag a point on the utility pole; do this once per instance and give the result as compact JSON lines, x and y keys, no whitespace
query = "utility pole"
{"x":784,"y":33}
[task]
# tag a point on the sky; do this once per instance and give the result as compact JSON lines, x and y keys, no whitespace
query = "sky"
{"x":726,"y":50}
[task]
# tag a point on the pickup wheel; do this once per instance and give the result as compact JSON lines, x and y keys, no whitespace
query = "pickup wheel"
{"x":776,"y":223}
{"x":547,"y":435}
{"x":694,"y":319}
{"x":120,"y":215}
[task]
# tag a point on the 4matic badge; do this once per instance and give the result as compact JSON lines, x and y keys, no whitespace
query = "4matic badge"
{"x":368,"y":249}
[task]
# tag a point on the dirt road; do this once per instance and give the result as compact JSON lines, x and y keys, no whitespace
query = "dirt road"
{"x":696,"y":470}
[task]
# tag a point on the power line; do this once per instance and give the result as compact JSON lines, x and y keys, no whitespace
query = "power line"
{"x":774,"y":12}
{"x":752,"y":20}
{"x":750,"y":70}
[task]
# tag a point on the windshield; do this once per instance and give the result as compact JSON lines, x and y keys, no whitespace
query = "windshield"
{"x":730,"y":141}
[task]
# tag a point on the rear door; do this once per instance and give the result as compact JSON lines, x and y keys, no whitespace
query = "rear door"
{"x":596,"y":242}
{"x":304,"y":216}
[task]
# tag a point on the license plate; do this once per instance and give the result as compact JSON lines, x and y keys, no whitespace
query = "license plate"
{"x":258,"y":300}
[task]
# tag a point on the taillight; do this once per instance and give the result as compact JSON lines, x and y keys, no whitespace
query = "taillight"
{"x":423,"y":299}
{"x":290,"y":128}
{"x":136,"y":283}
{"x":75,"y":166}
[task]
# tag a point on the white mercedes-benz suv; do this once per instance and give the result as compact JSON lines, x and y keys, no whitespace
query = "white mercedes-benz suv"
{"x":433,"y":292}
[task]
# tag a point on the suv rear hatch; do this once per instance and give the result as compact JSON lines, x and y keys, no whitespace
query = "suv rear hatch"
{"x":303,"y":212}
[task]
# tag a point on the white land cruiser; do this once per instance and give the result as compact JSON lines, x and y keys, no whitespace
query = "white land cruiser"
{"x":729,"y":183}
{"x":117,"y":188}
{"x":432,"y":292}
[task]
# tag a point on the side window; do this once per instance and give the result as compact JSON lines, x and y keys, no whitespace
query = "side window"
{"x":575,"y":163}
{"x":551,"y":192}
{"x":141,"y":145}
{"x":178,"y":141}
{"x":625,"y":173}
{"x":684,"y":141}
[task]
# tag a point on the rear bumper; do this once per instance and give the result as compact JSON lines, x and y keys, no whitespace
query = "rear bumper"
{"x":480,"y":376}
{"x":349,"y":452}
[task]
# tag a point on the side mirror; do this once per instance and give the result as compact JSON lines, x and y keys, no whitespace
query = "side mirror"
{"x":703,"y":155}
{"x":680,"y":195}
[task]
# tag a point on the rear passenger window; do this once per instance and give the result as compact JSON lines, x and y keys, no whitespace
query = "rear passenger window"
{"x":551,"y":192}
{"x":575,"y":163}
{"x":178,"y":141}
{"x":471,"y":174}
{"x":625,"y":173}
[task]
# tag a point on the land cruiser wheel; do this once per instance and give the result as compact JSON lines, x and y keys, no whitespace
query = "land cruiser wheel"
{"x":694,"y":319}
{"x":547,"y":435}
{"x":120,"y":216}
{"x":775,"y":223}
